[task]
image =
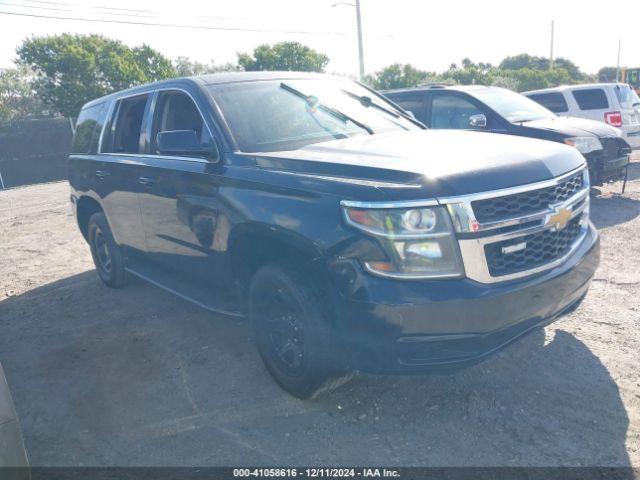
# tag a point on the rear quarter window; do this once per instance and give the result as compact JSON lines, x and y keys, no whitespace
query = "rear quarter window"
{"x":553,"y":101}
{"x":591,"y":99}
{"x":88,"y":128}
{"x":411,"y":101}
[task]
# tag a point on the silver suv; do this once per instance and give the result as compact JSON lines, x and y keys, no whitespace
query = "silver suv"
{"x":614,"y":103}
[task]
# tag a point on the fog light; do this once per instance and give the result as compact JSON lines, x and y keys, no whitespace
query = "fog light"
{"x":428,"y":250}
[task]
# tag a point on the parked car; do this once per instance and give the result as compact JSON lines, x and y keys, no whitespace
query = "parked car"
{"x":498,"y":110}
{"x":614,"y":103}
{"x":352,"y":238}
{"x":12,"y":451}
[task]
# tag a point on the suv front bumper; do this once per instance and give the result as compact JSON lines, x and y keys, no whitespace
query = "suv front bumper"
{"x":390,"y":326}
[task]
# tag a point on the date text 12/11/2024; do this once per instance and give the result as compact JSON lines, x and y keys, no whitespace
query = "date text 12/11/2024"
{"x":315,"y":473}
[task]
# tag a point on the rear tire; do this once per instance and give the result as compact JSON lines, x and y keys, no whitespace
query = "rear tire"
{"x":107,"y":254}
{"x":292,"y":333}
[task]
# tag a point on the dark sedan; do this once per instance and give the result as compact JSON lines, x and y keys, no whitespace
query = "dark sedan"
{"x":498,"y":110}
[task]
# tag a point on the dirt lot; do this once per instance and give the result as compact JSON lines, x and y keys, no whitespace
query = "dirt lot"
{"x":139,"y":377}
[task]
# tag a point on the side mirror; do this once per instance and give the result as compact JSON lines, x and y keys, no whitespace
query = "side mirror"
{"x":478,"y":121}
{"x":185,"y":143}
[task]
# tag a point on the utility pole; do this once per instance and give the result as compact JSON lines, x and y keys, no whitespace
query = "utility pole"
{"x":618,"y":64}
{"x":551,"y":53}
{"x":360,"y":49}
{"x":359,"y":26}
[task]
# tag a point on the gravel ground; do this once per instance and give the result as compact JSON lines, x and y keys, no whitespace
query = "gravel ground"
{"x":139,"y":377}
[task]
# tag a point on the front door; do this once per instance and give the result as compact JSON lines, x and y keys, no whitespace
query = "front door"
{"x":452,"y":110}
{"x":184,"y":221}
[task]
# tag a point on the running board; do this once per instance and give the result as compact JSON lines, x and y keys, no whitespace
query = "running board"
{"x":199,"y":297}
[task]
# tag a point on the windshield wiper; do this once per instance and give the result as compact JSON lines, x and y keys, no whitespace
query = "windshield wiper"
{"x":314,"y":102}
{"x":367,"y":102}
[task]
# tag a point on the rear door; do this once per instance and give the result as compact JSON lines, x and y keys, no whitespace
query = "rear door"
{"x":119,"y":168}
{"x":412,"y":101}
{"x":183,"y":217}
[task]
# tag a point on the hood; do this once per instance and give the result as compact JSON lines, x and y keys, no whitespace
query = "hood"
{"x":574,"y":127}
{"x":445,"y":162}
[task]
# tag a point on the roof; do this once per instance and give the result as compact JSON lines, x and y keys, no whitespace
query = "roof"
{"x":562,"y":88}
{"x":212,"y":79}
{"x":232,"y":77}
{"x":424,"y":88}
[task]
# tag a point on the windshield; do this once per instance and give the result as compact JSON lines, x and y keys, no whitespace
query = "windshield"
{"x":268,"y":116}
{"x":511,"y":105}
{"x":627,"y":97}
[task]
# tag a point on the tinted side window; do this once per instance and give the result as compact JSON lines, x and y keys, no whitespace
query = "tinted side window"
{"x":126,"y":126}
{"x":591,"y":99}
{"x":88,"y":129}
{"x":451,"y":111}
{"x":412,"y":101}
{"x":553,"y":101}
{"x":176,"y":111}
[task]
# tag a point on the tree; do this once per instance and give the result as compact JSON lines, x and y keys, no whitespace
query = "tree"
{"x":73,"y":69}
{"x":187,"y":68}
{"x":17,"y":94}
{"x":468,"y":74}
{"x":607,"y":74}
{"x":398,"y":76}
{"x":532,"y":62}
{"x":290,"y":56}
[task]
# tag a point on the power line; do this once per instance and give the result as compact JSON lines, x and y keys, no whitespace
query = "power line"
{"x":67,"y":4}
{"x":172,"y":25}
{"x":55,"y":9}
{"x":118,"y":11}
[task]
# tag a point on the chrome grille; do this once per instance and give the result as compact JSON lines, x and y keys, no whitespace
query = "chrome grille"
{"x":525,"y":203}
{"x":540,"y":248}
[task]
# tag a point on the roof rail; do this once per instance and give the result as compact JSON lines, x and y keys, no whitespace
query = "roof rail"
{"x":438,"y":84}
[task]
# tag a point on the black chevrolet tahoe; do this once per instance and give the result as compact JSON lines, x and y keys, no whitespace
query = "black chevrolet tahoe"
{"x":352,"y":238}
{"x":498,"y":110}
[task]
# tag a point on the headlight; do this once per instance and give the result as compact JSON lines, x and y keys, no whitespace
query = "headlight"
{"x":419,"y":242}
{"x":584,"y":144}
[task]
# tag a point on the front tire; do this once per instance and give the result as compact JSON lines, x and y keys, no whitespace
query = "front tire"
{"x":107,"y":254}
{"x":292,"y":333}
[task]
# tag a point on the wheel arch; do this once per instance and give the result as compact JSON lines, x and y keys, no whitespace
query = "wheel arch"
{"x":252,"y":247}
{"x":85,"y":207}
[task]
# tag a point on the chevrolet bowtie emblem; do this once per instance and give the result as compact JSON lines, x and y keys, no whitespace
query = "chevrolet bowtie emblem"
{"x":559,"y":218}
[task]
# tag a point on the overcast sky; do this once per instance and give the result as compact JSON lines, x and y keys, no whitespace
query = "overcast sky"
{"x":430,"y":35}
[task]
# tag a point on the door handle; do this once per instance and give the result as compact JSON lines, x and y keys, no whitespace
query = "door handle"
{"x":101,"y":174}
{"x":146,"y":181}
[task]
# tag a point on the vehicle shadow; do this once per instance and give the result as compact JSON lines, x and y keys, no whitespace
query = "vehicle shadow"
{"x":140,"y":377}
{"x":613,"y":210}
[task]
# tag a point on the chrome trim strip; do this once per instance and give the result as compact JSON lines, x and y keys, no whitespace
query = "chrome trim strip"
{"x":511,"y":190}
{"x":580,"y":195}
{"x":526,"y":231}
{"x":399,"y":276}
{"x":156,"y":157}
{"x":354,"y":181}
{"x":380,"y":205}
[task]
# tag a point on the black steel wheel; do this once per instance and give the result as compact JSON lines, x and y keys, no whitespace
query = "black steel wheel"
{"x":292,"y":333}
{"x":107,"y":254}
